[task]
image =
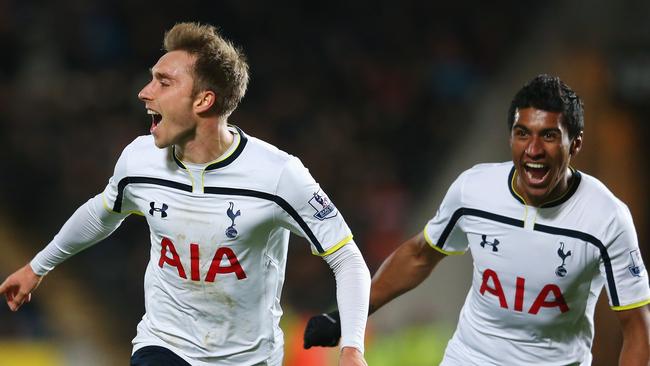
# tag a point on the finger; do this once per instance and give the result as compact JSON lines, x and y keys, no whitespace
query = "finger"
{"x":11,"y":302}
{"x":18,"y":300}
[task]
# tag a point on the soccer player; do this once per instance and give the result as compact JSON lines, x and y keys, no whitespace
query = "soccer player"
{"x":544,"y":239}
{"x":220,"y":205}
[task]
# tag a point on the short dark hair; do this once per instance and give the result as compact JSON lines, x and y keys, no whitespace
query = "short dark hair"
{"x":549,"y":93}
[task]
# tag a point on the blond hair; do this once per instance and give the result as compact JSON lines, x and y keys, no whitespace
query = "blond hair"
{"x":219,"y":66}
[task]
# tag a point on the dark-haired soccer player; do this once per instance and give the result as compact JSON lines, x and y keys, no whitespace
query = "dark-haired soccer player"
{"x":544,"y":237}
{"x":220,"y":205}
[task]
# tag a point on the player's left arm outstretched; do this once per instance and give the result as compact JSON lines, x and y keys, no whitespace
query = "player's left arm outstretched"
{"x":636,"y":336}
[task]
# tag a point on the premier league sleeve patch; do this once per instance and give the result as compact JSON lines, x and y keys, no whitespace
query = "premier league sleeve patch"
{"x":322,"y":205}
{"x":635,"y":263}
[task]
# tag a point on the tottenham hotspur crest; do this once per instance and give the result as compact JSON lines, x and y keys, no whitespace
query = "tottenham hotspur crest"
{"x":560,"y":271}
{"x":231,"y":232}
{"x":324,"y":208}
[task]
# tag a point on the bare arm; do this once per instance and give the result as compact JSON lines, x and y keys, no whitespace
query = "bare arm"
{"x":403,"y":270}
{"x":636,"y":337}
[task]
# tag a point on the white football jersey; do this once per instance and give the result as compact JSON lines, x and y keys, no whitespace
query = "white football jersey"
{"x":537,"y":271}
{"x":219,"y":235}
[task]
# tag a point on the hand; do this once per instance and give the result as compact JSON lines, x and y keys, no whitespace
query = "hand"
{"x":18,"y":287}
{"x":323,"y":330}
{"x":351,"y":357}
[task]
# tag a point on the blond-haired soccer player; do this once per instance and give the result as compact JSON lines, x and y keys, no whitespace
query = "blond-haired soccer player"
{"x":220,"y":205}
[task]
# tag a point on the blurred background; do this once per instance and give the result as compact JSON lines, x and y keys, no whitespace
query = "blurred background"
{"x":386,"y":102}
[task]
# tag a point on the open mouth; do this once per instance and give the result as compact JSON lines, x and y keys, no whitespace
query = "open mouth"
{"x":156,"y":118}
{"x":535,"y":172}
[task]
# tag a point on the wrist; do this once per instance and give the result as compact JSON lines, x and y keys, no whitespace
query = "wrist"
{"x":351,"y":350}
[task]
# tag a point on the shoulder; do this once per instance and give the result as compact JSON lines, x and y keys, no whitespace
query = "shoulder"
{"x":141,"y":144}
{"x":270,"y":158}
{"x":271,"y":167}
{"x":490,"y":169}
{"x":141,"y":156}
{"x":596,"y":197}
{"x":265,"y":152}
{"x":486,"y":175}
{"x":483,"y":185}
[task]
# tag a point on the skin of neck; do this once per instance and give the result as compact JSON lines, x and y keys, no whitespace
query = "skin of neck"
{"x":208,"y":141}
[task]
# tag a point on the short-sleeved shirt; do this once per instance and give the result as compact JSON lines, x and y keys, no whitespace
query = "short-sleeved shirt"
{"x":219,"y":238}
{"x":537,"y":271}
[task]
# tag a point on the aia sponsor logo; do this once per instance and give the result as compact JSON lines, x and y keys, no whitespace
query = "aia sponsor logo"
{"x":169,"y":256}
{"x":549,"y":296}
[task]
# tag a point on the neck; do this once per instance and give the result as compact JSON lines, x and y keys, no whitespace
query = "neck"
{"x":211,"y":139}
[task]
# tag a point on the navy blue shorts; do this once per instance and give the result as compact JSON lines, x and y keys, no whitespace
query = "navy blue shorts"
{"x":156,"y":356}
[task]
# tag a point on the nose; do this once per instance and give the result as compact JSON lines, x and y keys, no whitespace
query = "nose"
{"x":535,"y":148}
{"x":145,"y":94}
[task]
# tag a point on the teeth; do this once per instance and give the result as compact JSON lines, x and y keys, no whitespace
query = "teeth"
{"x":150,"y":111}
{"x":535,"y":165}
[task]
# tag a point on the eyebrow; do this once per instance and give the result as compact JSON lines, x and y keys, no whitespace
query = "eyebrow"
{"x":160,"y":74}
{"x":554,"y":129}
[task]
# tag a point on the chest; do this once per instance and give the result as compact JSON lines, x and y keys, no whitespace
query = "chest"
{"x":523,"y":254}
{"x":208,"y":219}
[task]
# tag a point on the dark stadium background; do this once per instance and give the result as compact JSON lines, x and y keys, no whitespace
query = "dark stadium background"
{"x":385,"y":102}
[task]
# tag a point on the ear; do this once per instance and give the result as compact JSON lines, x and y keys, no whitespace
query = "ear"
{"x":204,"y":101}
{"x":576,"y":145}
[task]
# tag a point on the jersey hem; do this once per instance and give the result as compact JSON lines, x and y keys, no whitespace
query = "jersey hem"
{"x":434,"y":246}
{"x":631,"y":306}
{"x":109,"y":210}
{"x":336,"y":247}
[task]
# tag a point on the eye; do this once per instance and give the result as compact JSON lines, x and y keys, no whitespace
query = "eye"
{"x":520,"y":133}
{"x":550,"y":135}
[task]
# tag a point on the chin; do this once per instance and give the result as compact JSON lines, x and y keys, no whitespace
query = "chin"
{"x":159,"y":143}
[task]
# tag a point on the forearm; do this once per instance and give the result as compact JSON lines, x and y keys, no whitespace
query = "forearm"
{"x":634,"y":353}
{"x":88,"y":225}
{"x":636,"y":337}
{"x":352,"y":293}
{"x":409,"y":265}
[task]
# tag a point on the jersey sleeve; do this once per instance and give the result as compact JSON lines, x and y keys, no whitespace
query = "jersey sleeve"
{"x":442,"y":232}
{"x":308,"y":211}
{"x":630,"y":288}
{"x":115,"y":198}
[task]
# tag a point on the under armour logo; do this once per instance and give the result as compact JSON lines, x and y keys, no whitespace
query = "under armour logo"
{"x":231,"y":232}
{"x":492,"y":244}
{"x":560,"y":271}
{"x":162,"y":209}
